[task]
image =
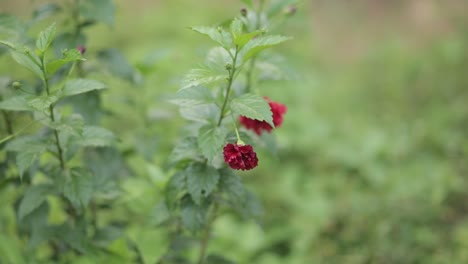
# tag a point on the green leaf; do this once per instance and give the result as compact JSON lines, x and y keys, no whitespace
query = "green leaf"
{"x":201,"y":181}
{"x":29,"y":150}
{"x":211,"y":140}
{"x":16,"y":103}
{"x":72,"y":125}
{"x":243,"y":39}
{"x":236,"y":29}
{"x":68,"y":56}
{"x":98,"y":10}
{"x":216,"y":259}
{"x":253,"y":107}
{"x":79,"y":187}
{"x":197,"y":95}
{"x":203,"y":76}
{"x":219,"y":35}
{"x":185,"y":151}
{"x":26,"y":159}
{"x":193,"y":216}
{"x":42,"y":103}
{"x":29,"y":60}
{"x":45,"y":38}
{"x":205,"y":113}
{"x":34,"y":196}
{"x":79,"y":86}
{"x":97,"y":137}
{"x":231,"y":184}
{"x":175,"y":187}
{"x":258,"y":44}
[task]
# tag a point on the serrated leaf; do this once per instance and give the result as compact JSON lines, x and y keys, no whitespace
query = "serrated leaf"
{"x":184,"y":151}
{"x":201,"y":181}
{"x":197,"y":95}
{"x":42,"y":103}
{"x":79,"y":86}
{"x":16,"y":103}
{"x":29,"y":60}
{"x":203,"y":76}
{"x":68,"y":56}
{"x":72,"y":125}
{"x":27,"y":157}
{"x":97,"y":137}
{"x":45,"y":38}
{"x":258,"y":44}
{"x":236,"y":29}
{"x":243,"y":39}
{"x":253,"y":107}
{"x":231,"y":184}
{"x":33,"y":197}
{"x":79,"y":187}
{"x":98,"y":10}
{"x":193,"y":216}
{"x":205,"y":113}
{"x":176,"y":185}
{"x":211,"y":140}
{"x":218,"y":35}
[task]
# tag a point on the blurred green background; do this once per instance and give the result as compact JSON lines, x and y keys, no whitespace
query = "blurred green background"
{"x":372,"y":161}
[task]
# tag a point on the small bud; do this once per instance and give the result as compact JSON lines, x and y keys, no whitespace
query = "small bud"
{"x":290,"y":10}
{"x":16,"y":85}
{"x":243,"y":12}
{"x":219,"y":29}
{"x":228,"y":66}
{"x":81,"y":49}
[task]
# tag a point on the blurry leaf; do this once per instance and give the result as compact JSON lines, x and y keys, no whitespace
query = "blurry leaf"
{"x":33,"y":197}
{"x":45,"y":38}
{"x":231,"y":184}
{"x":160,"y":213}
{"x":194,"y":96}
{"x":217,"y":58}
{"x":241,"y":40}
{"x":186,"y":150}
{"x":258,"y":44}
{"x":26,"y":159}
{"x":29,"y":60}
{"x":176,"y":186}
{"x":203,"y":76}
{"x":72,"y":125}
{"x":118,"y":65}
{"x":219,"y":35}
{"x":79,"y":188}
{"x":29,"y":150}
{"x":193,"y":215}
{"x":211,"y":140}
{"x":79,"y":86}
{"x":45,"y":10}
{"x":67,"y":56}
{"x":98,"y":10}
{"x":97,"y":137}
{"x":201,"y":181}
{"x":236,"y":29}
{"x":42,"y":103}
{"x":278,"y":6}
{"x":205,"y":113}
{"x":68,"y":41}
{"x":252,"y":106}
{"x":11,"y":25}
{"x":17,"y":103}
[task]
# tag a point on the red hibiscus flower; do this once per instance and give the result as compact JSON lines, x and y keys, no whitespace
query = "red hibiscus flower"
{"x":240,"y":157}
{"x":277,"y":110}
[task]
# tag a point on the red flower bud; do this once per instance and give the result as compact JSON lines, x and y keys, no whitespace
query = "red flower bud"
{"x":240,"y":157}
{"x":81,"y":49}
{"x":277,"y":110}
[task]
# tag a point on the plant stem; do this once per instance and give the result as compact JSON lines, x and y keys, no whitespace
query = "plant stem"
{"x":232,"y":72}
{"x":52,"y":115}
{"x":207,"y":234}
{"x":8,"y":123}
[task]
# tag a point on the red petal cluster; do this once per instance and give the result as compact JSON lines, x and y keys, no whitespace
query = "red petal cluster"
{"x":240,"y":157}
{"x":277,"y":109}
{"x":81,"y":49}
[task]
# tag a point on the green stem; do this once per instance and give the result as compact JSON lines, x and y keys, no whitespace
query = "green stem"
{"x":52,"y":115}
{"x":8,"y":123}
{"x":207,"y":235}
{"x":232,"y":73}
